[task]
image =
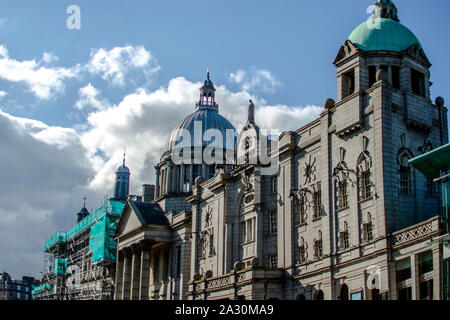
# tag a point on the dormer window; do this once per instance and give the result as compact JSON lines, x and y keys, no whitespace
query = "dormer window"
{"x":348,"y":83}
{"x":417,"y":82}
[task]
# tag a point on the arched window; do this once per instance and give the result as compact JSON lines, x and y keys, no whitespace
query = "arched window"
{"x":405,"y":172}
{"x":301,"y":296}
{"x":319,"y":295}
{"x":343,"y":293}
{"x":364,"y":176}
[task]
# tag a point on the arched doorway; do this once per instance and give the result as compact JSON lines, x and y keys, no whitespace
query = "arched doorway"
{"x":301,"y":296}
{"x":343,"y":293}
{"x":319,"y":295}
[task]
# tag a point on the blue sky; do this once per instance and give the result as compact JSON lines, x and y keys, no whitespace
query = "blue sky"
{"x":72,"y":100}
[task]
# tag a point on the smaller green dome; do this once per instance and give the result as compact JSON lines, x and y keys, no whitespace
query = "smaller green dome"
{"x":390,"y":35}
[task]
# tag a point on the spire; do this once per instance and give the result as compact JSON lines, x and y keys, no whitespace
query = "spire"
{"x":84,"y":204}
{"x":124,"y":155}
{"x":207,"y":92}
{"x":386,"y":9}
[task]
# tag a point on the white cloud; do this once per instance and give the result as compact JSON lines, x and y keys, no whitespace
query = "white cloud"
{"x":257,"y":80}
{"x":89,"y":96}
{"x":43,"y":168}
{"x":3,"y":94}
{"x":116,"y":64}
{"x":43,"y":81}
{"x":49,"y":169}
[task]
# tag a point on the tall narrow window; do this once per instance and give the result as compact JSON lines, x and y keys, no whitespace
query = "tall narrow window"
{"x":365,"y":185}
{"x":243,"y":232}
{"x":404,"y":179}
{"x":273,"y":261}
{"x":372,"y":75}
{"x":302,"y":254}
{"x":318,"y":203}
{"x":301,"y":212}
{"x":418,"y":82}
{"x":429,"y":187}
{"x":342,"y":195}
{"x":318,"y":249}
{"x":273,"y":185}
{"x":344,"y":240}
{"x":395,"y":77}
{"x":273,"y":225}
{"x":368,"y":232}
{"x":348,"y":83}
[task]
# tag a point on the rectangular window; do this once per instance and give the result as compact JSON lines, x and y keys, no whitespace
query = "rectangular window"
{"x":429,"y":187}
{"x":368,"y":232}
{"x":348,"y":83}
{"x":426,"y":290}
{"x":248,"y":230}
{"x":404,"y":179}
{"x":318,"y":249}
{"x":395,"y":77}
{"x":418,"y":82}
{"x":273,"y":222}
{"x":244,"y":232}
{"x":301,"y":212}
{"x":425,"y":262}
{"x":403,"y":270}
{"x":273,"y":184}
{"x":273,"y":261}
{"x":302,"y":254}
{"x":343,"y":195}
{"x":344,"y":240}
{"x":372,"y":75}
{"x":365,"y":185}
{"x":318,"y":203}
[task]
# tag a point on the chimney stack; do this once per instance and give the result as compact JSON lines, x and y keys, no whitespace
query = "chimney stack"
{"x":148,"y":192}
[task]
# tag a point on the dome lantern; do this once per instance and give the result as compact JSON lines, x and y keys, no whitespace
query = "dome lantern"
{"x":207,"y":93}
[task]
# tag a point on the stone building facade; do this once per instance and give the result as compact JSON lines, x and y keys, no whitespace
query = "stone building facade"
{"x":344,"y":217}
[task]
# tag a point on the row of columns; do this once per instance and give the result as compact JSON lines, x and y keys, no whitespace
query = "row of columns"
{"x":139,"y":271}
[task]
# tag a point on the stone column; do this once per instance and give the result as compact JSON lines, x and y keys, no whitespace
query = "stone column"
{"x":126,"y":274}
{"x":157,"y":191}
{"x":191,"y":176}
{"x":182,"y":175}
{"x":162,"y":258}
{"x":169,"y":177}
{"x":136,"y":268}
{"x":146,"y":246}
{"x":119,"y":276}
{"x":437,"y":259}
{"x":415,"y":277}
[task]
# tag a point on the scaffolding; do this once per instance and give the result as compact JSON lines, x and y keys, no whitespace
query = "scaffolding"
{"x":84,"y":257}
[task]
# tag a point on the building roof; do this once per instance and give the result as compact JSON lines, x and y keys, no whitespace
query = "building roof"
{"x":434,"y":162}
{"x":151,"y":213}
{"x":389,"y":35}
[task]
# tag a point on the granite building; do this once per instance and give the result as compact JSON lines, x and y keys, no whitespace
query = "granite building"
{"x":344,"y":217}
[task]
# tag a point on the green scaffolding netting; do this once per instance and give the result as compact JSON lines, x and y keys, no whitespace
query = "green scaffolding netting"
{"x":44,"y":286}
{"x":101,"y":242}
{"x":111,"y":207}
{"x":60,"y":266}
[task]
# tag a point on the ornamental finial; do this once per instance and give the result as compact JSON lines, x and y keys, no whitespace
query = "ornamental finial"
{"x":386,"y":9}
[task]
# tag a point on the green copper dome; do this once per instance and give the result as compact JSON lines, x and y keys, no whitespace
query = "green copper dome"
{"x":389,"y":35}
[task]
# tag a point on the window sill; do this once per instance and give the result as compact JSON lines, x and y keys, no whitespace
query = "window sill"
{"x":317,"y":218}
{"x":301,"y":224}
{"x":342,"y":209}
{"x":248,"y":242}
{"x":366,"y":199}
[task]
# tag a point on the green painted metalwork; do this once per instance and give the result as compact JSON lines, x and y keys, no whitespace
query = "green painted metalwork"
{"x":101,"y":242}
{"x":44,"y":286}
{"x":60,"y":266}
{"x":434,"y":162}
{"x":383,"y":34}
{"x":111,"y":207}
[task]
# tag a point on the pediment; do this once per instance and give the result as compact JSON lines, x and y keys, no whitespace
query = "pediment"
{"x":347,"y":50}
{"x":417,"y":52}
